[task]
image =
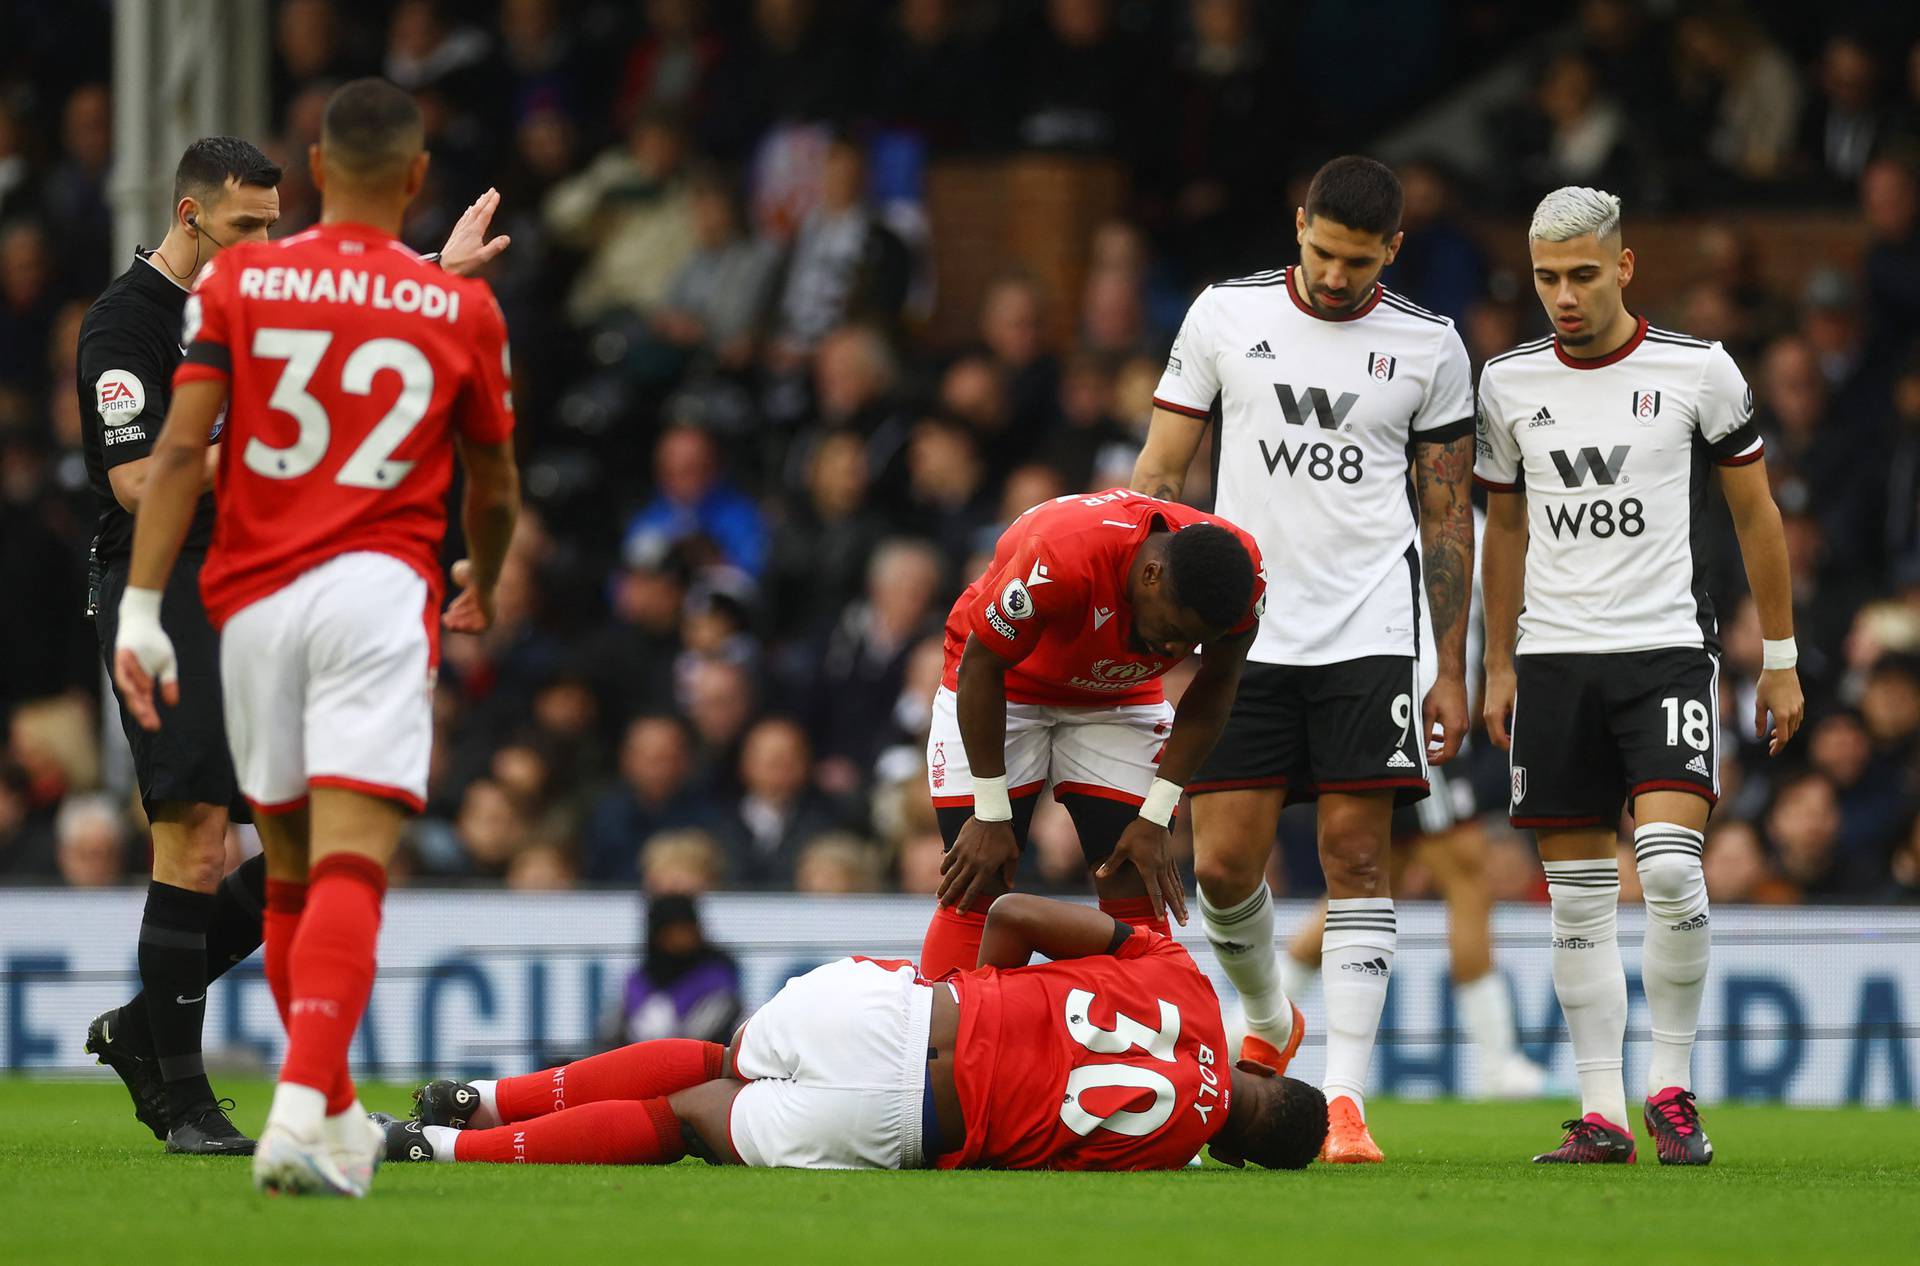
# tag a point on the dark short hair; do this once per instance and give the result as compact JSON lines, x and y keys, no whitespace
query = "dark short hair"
{"x":1211,"y":573}
{"x":1289,"y":1128}
{"x":212,"y":161}
{"x":370,"y":124}
{"x":1357,"y":192}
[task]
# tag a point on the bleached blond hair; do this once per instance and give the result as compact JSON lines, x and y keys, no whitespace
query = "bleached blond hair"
{"x":1575,"y":211}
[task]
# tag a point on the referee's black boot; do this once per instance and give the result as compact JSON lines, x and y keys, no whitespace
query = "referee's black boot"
{"x":206,"y":1131}
{"x":137,"y":1068}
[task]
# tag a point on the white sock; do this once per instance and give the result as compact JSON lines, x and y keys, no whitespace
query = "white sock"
{"x":1589,"y":980}
{"x":341,"y":1128}
{"x":1356,"y":961}
{"x":1242,"y":939}
{"x":1486,"y":1009}
{"x":1296,"y":977}
{"x":487,"y":1115}
{"x":441,"y":1139}
{"x":301,"y":1109}
{"x":1673,"y":958}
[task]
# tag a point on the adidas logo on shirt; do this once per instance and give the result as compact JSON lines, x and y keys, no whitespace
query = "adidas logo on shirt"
{"x":1698,"y":765}
{"x":1373,"y":967}
{"x":1542,"y":418}
{"x":1399,"y":760}
{"x":1260,"y":351}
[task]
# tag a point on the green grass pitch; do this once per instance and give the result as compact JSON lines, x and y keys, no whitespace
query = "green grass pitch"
{"x":80,"y":1181}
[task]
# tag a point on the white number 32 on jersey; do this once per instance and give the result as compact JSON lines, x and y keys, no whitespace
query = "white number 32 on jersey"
{"x":371,"y":465}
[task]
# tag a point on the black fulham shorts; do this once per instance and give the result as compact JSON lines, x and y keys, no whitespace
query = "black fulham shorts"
{"x":1591,"y":731}
{"x":188,"y":758}
{"x":1353,"y":726}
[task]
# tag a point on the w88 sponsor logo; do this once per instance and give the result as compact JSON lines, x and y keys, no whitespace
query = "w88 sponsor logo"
{"x":1318,"y":460}
{"x":1601,"y":519}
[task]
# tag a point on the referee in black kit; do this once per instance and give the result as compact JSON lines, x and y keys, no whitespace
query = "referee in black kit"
{"x":197,"y":924}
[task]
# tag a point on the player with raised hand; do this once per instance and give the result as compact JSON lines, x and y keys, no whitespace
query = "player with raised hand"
{"x":1345,"y":444}
{"x":197,"y":924}
{"x":1602,"y":648}
{"x":1053,"y":665}
{"x":1110,"y":1056}
{"x":350,"y":370}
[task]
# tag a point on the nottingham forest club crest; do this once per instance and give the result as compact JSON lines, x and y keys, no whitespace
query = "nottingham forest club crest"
{"x":1380,"y":366}
{"x":1646,"y":406}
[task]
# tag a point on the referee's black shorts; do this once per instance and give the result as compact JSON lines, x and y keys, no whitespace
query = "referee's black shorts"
{"x":188,"y":758}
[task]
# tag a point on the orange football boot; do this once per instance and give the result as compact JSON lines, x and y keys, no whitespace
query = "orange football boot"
{"x":1261,"y":1051}
{"x":1348,"y":1142}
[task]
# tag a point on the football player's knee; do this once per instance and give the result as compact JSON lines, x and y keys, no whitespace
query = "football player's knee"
{"x":1226,"y":879}
{"x":1675,"y":886}
{"x":1354,"y":860}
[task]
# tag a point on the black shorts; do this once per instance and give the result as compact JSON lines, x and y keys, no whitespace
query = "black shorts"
{"x":1590,"y":731}
{"x":187,"y":758}
{"x":1350,"y":727}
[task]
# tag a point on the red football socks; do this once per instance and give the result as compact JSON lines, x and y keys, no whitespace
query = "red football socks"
{"x":285,"y":900}
{"x":953,"y":941}
{"x":332,"y":973}
{"x":618,"y":1132}
{"x":644,"y":1070}
{"x":1137,"y":911}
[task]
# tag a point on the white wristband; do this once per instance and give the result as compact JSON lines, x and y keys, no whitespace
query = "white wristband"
{"x":1778,"y":653}
{"x":990,"y":802}
{"x":1162,"y":798}
{"x":140,"y":606}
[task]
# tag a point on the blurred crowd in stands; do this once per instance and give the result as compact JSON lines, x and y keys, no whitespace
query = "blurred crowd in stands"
{"x":755,"y":484}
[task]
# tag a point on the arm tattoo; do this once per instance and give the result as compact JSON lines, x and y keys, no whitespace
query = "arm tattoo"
{"x":1441,"y":475}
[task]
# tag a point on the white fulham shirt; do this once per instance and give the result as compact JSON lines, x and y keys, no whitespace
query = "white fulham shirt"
{"x":1613,"y":456}
{"x":1316,"y":416}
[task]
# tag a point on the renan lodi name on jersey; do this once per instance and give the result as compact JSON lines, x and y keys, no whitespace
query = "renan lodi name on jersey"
{"x":346,"y":285}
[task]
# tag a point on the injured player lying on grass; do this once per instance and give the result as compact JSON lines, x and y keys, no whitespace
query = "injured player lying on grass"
{"x":1111,"y":1056}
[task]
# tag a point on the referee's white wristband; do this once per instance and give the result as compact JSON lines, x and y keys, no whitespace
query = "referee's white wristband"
{"x":990,"y":802}
{"x":1162,"y":798}
{"x":140,"y":606}
{"x":1778,"y":653}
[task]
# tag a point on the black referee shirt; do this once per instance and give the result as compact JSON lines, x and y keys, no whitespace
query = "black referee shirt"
{"x":129,"y":348}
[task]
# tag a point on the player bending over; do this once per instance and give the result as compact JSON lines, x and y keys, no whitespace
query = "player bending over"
{"x":1109,"y":1057}
{"x":1053,"y":667}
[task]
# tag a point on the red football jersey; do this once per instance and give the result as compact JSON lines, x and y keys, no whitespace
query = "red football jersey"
{"x":1109,"y":1062}
{"x":1054,"y":600}
{"x":352,"y":362}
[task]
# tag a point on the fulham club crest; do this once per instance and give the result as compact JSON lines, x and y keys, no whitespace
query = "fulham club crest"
{"x":1646,"y":406}
{"x":1380,"y":366}
{"x":1519,"y":784}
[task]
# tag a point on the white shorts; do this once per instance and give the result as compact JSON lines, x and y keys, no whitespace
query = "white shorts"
{"x":838,"y":1062}
{"x":1112,"y":753}
{"x":329,"y":684}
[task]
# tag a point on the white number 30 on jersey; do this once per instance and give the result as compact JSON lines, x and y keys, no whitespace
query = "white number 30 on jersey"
{"x":371,"y":465}
{"x":1127,"y":1034}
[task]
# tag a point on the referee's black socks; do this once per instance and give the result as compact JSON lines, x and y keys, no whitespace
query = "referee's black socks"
{"x":188,"y":940}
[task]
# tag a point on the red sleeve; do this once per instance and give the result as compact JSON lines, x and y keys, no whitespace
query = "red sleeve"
{"x":206,"y":327}
{"x":1145,"y":942}
{"x":1016,"y":601}
{"x":485,"y":415}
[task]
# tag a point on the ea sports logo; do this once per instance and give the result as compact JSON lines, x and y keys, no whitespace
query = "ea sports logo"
{"x":1122,"y":670}
{"x":118,"y":397}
